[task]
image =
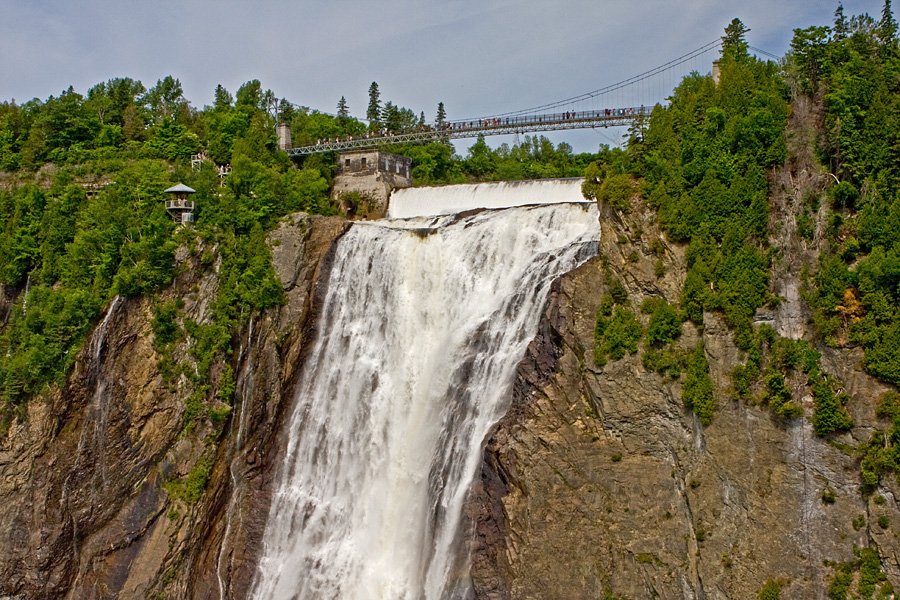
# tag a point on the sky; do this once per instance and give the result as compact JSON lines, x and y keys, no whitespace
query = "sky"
{"x":478,"y":57}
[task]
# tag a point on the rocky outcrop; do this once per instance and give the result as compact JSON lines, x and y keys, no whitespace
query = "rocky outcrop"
{"x":86,"y":478}
{"x":600,"y":483}
{"x":597,"y":482}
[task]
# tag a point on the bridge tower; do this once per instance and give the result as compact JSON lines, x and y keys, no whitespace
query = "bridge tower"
{"x":284,"y":136}
{"x":178,"y":206}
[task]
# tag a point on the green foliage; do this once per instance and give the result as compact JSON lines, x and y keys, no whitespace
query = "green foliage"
{"x":868,"y":564}
{"x":606,"y":305}
{"x":779,"y":397}
{"x":857,"y":70}
{"x":841,"y":582}
{"x":164,"y":325}
{"x":616,"y":191}
{"x":191,"y":487}
{"x":829,"y":415}
{"x":888,"y":405}
{"x":878,"y":456}
{"x":74,"y":251}
{"x":697,"y":392}
{"x":703,"y":160}
{"x":616,"y":336}
{"x":665,"y":324}
{"x":616,"y":288}
{"x":41,"y":341}
{"x":664,"y":362}
{"x":770,"y":591}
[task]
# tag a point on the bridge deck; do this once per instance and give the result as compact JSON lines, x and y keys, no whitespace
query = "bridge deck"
{"x":491,"y":126}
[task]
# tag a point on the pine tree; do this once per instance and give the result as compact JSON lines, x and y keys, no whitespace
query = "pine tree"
{"x":841,"y":28}
{"x":887,"y":29}
{"x":374,"y":110}
{"x":223,"y":98}
{"x":441,"y":115}
{"x":343,"y":111}
{"x":285,"y":111}
{"x":422,"y":119}
{"x":733,"y":41}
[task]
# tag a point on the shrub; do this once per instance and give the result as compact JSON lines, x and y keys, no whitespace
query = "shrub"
{"x":664,"y":325}
{"x":829,"y":415}
{"x":779,"y":397}
{"x":616,"y":336}
{"x":770,"y":591}
{"x":697,"y":392}
{"x":616,"y":191}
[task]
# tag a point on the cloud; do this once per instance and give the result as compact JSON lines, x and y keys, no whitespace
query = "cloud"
{"x":478,"y":58}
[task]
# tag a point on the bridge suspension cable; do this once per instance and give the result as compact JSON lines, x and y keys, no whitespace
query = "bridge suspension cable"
{"x":675,"y":62}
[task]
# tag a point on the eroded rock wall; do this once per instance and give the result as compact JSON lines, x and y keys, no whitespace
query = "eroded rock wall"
{"x":599,"y":481}
{"x":83,"y":479}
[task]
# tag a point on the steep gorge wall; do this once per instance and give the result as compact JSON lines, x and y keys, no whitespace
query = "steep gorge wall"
{"x":83,"y":478}
{"x":599,"y":481}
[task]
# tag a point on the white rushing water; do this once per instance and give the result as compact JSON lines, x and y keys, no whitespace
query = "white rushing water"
{"x":452,"y":199}
{"x":422,"y":327}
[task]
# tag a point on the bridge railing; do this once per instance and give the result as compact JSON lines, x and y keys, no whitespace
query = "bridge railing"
{"x":609,"y":117}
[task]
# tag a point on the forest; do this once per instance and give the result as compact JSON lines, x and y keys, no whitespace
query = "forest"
{"x":81,"y":216}
{"x":81,"y":219}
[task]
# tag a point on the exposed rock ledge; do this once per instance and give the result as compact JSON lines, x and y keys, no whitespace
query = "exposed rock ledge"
{"x":599,"y":481}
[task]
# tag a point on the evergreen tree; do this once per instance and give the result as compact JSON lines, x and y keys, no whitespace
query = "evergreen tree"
{"x":343,"y":111}
{"x":285,"y":111}
{"x":841,"y":27}
{"x":441,"y":115}
{"x":422,"y":119}
{"x":164,"y":97}
{"x":374,"y":110}
{"x":733,"y":41}
{"x":887,"y":28}
{"x":223,"y":98}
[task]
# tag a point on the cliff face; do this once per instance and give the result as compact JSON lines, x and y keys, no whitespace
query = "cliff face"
{"x":599,"y":480}
{"x":86,"y":476}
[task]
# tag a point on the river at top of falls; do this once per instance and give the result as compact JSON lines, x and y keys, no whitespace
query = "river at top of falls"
{"x":451,"y":199}
{"x":420,"y":332}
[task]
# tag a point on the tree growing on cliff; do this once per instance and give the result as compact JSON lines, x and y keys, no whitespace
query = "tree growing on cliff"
{"x":697,"y":393}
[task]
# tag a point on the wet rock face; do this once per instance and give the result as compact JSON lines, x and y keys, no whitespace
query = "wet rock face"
{"x":86,"y":511}
{"x":599,"y":481}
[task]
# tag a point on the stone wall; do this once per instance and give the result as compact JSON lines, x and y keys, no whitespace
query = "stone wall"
{"x":366,"y":179}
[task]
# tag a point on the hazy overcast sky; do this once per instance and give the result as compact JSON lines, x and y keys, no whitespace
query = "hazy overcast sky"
{"x":478,"y":57}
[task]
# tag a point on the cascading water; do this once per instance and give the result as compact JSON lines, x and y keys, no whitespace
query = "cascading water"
{"x":421,"y":329}
{"x":447,"y":200}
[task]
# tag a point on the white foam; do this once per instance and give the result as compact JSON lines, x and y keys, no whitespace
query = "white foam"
{"x":452,"y":199}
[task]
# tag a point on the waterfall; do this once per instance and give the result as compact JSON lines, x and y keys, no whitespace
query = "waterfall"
{"x":422,"y":326}
{"x":445,"y":200}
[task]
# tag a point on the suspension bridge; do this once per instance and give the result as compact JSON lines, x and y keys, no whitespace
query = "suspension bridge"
{"x":619,"y":104}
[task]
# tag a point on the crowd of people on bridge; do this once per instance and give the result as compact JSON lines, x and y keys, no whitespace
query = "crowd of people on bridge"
{"x":487,"y":123}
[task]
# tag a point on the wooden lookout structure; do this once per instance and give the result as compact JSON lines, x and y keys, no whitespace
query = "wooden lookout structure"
{"x":179,"y":207}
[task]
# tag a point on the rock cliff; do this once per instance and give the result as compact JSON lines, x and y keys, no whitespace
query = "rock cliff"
{"x":600,"y":483}
{"x":87,"y":476}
